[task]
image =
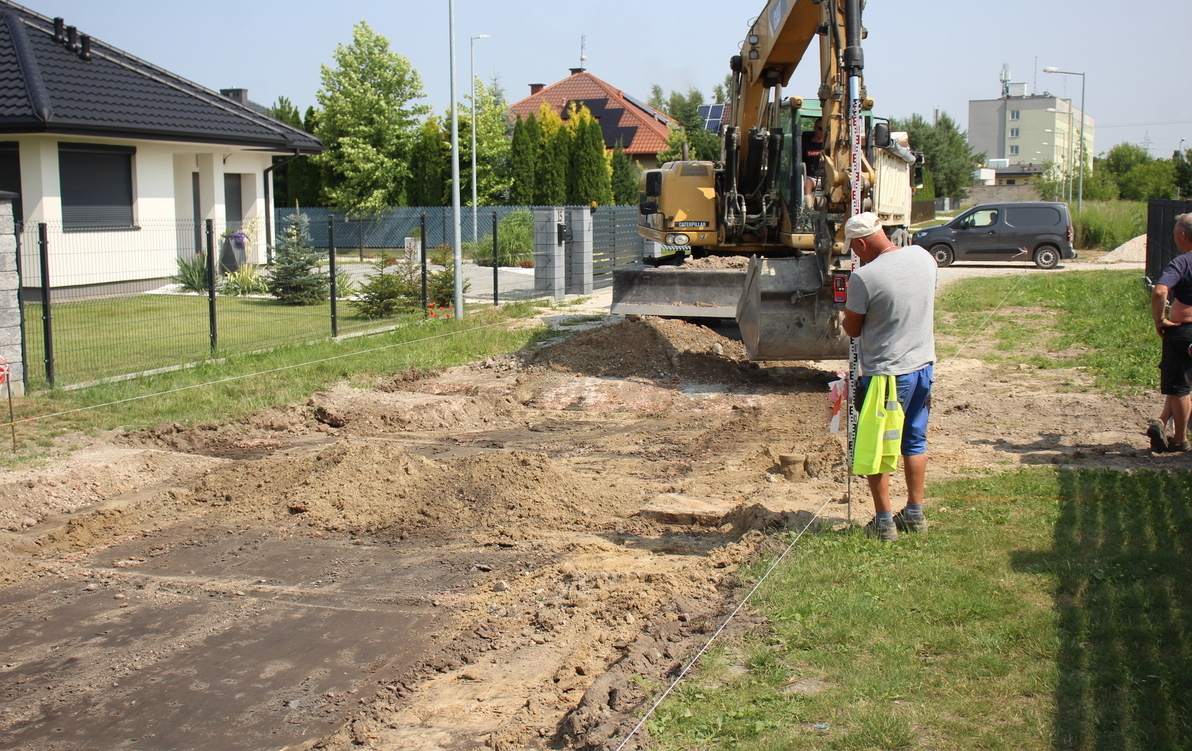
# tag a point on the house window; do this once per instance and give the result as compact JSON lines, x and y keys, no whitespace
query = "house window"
{"x":1013,"y":151}
{"x":10,"y":175}
{"x":1011,"y":181}
{"x":96,"y":185}
{"x":1014,"y":132}
{"x":1015,"y":114}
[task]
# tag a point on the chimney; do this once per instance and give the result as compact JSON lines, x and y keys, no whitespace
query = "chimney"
{"x":239,"y":96}
{"x":576,"y":71}
{"x":536,"y":87}
{"x":59,"y":30}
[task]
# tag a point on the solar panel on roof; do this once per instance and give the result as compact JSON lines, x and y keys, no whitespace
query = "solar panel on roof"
{"x":712,"y":114}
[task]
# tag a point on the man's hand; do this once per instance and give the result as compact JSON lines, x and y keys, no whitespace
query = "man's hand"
{"x":1163,"y":325}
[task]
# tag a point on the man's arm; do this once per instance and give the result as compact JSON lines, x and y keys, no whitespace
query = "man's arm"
{"x":1158,"y":308}
{"x":853,"y":323}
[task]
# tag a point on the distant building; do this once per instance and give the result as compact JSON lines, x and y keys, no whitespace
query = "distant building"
{"x":1020,"y":132}
{"x":639,"y":128}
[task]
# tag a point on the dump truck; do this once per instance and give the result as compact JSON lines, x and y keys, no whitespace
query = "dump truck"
{"x":758,"y":235}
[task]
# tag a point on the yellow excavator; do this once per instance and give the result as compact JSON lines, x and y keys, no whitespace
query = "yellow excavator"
{"x":757,"y":236}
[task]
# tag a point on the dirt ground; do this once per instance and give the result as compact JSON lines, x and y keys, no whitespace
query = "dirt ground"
{"x":560,"y":529}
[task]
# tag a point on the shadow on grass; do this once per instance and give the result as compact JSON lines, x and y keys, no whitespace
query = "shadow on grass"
{"x":1123,"y":565}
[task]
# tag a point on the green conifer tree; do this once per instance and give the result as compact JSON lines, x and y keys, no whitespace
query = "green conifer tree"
{"x":523,"y":159}
{"x":296,"y":278}
{"x":553,"y":160}
{"x":624,"y":179}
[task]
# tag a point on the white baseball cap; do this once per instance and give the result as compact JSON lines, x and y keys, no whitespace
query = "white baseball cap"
{"x":861,"y":225}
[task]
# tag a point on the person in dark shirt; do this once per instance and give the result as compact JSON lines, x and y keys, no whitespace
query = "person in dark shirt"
{"x":813,"y":152}
{"x":1175,"y":328}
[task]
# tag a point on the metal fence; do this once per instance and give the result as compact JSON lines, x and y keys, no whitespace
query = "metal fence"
{"x":103,"y":304}
{"x":615,"y":242}
{"x":1160,"y":230}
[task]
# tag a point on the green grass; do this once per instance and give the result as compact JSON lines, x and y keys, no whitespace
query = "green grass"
{"x":1102,"y":317}
{"x":103,"y":338}
{"x":240,"y":385}
{"x":1047,"y":609}
{"x":1104,"y":225}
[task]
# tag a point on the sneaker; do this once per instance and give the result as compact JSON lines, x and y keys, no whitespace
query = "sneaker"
{"x":1180,"y":446}
{"x":1158,"y":439}
{"x":883,"y":532}
{"x":903,"y":522}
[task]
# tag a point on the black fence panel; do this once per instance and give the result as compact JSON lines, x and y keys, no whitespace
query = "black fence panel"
{"x":1160,"y":229}
{"x":615,"y":242}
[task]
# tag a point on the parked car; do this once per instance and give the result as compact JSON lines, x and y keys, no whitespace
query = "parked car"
{"x":1031,"y":231}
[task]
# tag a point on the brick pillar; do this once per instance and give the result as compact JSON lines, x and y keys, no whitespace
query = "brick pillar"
{"x":10,"y":307}
{"x":550,"y":270}
{"x":580,"y":251}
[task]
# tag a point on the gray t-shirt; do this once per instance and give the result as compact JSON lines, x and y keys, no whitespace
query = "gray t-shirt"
{"x":896,"y":294}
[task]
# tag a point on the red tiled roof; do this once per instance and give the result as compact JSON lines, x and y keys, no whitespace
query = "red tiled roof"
{"x":640,"y":128}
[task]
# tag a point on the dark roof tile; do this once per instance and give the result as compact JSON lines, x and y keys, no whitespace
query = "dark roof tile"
{"x":118,"y":95}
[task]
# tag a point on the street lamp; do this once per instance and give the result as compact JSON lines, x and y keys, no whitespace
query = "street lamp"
{"x":472,"y":72}
{"x":1080,"y":185}
{"x":457,"y":262}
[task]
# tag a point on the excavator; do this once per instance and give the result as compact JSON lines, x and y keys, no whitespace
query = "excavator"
{"x":758,"y":235}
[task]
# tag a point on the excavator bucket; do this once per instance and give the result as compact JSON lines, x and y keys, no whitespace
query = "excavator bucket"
{"x":786,"y":312}
{"x":677,"y":292}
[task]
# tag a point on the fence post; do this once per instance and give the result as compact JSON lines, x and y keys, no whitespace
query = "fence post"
{"x":47,"y":316}
{"x":211,"y":310}
{"x":496,"y":264}
{"x":425,"y":300}
{"x":579,"y":258}
{"x":331,"y":268}
{"x":12,"y":327}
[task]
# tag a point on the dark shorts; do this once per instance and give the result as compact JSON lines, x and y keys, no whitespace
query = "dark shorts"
{"x":1175,"y":368}
{"x":914,"y":394}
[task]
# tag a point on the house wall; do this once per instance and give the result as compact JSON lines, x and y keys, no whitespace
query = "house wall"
{"x":163,"y":210}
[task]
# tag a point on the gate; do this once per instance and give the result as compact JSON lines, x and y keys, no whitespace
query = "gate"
{"x":1160,"y":226}
{"x":615,"y":242}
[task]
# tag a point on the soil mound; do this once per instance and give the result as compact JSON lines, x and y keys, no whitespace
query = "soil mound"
{"x":379,"y":486}
{"x":649,"y":347}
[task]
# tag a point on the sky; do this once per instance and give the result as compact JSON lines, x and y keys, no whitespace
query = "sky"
{"x":920,"y":55}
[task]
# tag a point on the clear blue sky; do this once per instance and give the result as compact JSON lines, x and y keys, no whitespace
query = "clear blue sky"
{"x":920,"y":55}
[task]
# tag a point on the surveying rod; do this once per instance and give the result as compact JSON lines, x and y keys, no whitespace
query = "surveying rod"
{"x":854,"y":63}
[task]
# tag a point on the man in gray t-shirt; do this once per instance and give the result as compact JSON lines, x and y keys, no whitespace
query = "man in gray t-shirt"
{"x":890,"y":310}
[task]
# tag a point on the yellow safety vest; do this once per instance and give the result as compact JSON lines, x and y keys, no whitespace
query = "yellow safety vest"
{"x":879,"y":428}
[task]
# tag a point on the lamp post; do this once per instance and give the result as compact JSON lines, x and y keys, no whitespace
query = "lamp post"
{"x":472,"y":73}
{"x":1080,"y":184}
{"x":458,"y":261}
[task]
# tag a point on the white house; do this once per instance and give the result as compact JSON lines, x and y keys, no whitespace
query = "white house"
{"x":123,"y":160}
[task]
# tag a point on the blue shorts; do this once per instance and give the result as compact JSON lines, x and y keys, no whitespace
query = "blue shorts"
{"x":914,"y":394}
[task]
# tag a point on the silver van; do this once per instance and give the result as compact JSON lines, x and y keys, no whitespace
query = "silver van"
{"x":1031,"y":231}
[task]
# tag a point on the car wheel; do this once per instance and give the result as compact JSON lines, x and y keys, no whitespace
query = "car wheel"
{"x":943,"y":255}
{"x":1047,"y":257}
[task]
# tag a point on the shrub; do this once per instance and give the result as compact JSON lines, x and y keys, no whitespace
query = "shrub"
{"x":242,"y":282}
{"x":296,"y":278}
{"x":515,"y":242}
{"x":345,"y":285}
{"x":192,"y":274}
{"x":1104,"y":225}
{"x":394,"y":286}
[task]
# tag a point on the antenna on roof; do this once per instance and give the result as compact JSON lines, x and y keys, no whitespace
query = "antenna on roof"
{"x":583,"y":43}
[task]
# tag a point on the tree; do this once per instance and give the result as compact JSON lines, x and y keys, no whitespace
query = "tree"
{"x":588,"y":178}
{"x":553,"y":159}
{"x":368,"y":123}
{"x":624,"y":178}
{"x":947,"y":156}
{"x":523,"y":161}
{"x":1182,"y":161}
{"x":1124,"y":157}
{"x":430,"y":158}
{"x":296,"y":279}
{"x":492,"y":145}
{"x":297,"y":180}
{"x":1152,"y":180}
{"x":702,"y":144}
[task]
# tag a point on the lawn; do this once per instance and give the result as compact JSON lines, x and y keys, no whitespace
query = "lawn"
{"x":1047,"y":609}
